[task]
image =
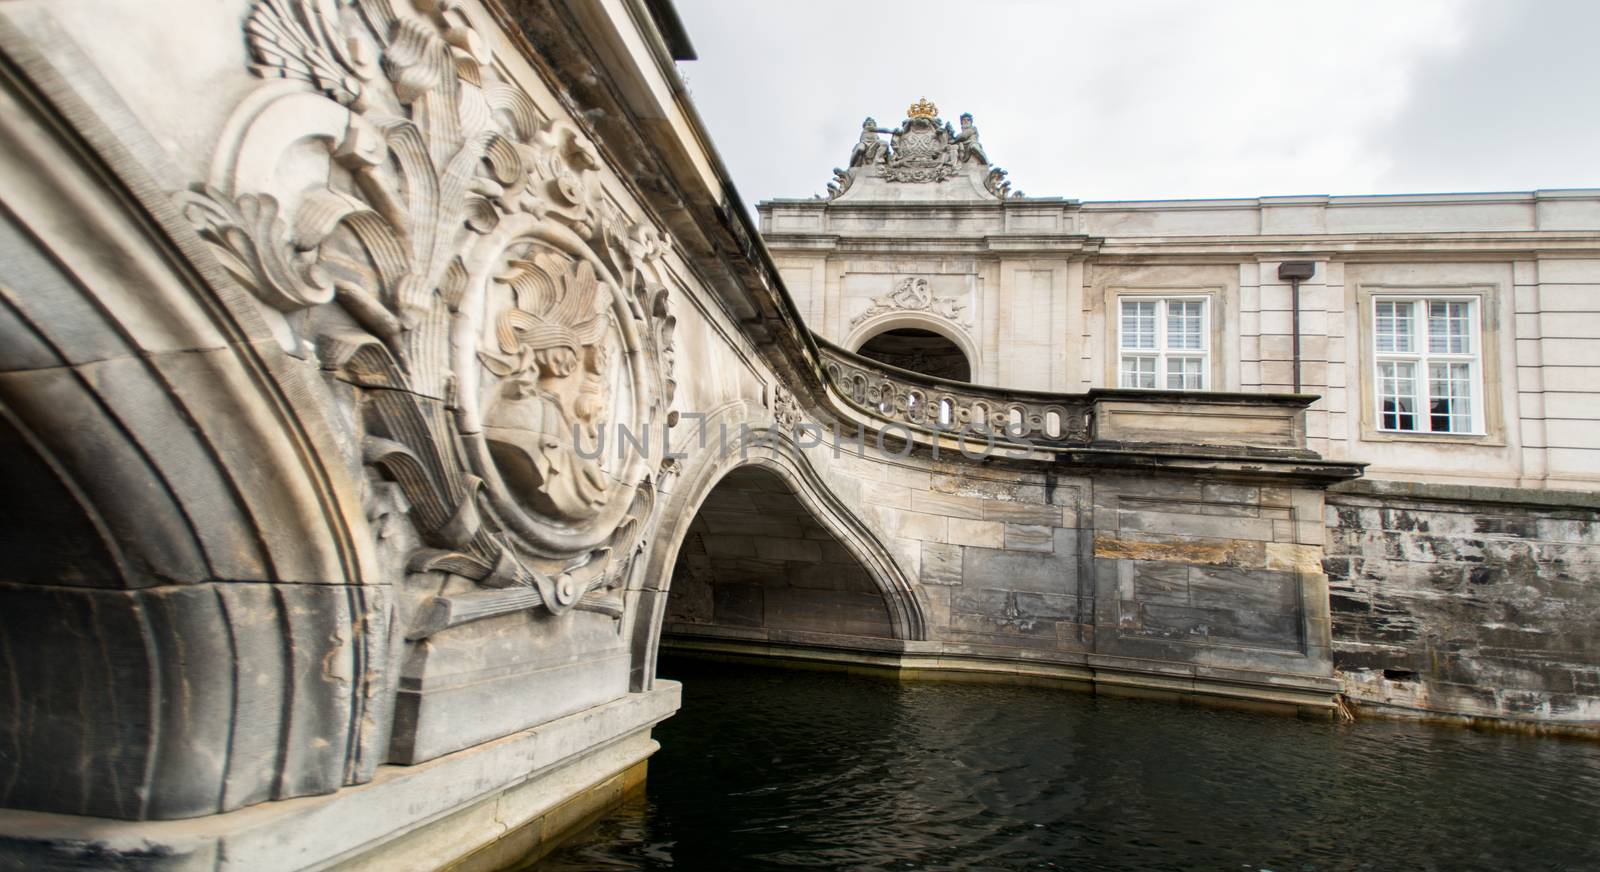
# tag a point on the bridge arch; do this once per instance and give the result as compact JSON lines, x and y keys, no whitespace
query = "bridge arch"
{"x":185,"y":548}
{"x":772,"y":460}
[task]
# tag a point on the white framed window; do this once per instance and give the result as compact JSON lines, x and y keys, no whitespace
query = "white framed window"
{"x":1163,"y":343}
{"x":1427,"y":354}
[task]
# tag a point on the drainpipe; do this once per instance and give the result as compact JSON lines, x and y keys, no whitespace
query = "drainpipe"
{"x":1296,"y":271}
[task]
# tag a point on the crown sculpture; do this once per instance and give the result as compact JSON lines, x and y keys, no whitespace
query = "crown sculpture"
{"x":922,"y":149}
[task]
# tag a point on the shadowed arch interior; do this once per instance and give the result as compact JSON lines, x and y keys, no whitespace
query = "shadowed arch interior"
{"x":919,"y":350}
{"x":756,"y":564}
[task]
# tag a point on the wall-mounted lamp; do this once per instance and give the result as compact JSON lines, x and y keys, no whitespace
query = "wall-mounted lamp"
{"x":1296,"y":271}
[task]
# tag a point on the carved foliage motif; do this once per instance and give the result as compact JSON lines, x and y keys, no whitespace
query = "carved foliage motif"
{"x":913,"y":294}
{"x":420,"y":227}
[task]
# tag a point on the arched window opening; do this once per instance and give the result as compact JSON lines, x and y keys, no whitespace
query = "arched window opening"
{"x":919,"y":350}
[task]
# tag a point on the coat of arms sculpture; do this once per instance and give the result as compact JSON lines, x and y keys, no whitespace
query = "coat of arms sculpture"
{"x":923,"y":149}
{"x":413,"y":223}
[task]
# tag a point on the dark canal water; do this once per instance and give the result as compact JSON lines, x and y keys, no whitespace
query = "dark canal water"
{"x":766,"y":769}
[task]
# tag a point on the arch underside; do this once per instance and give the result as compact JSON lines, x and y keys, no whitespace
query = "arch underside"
{"x":756,"y":563}
{"x":759,"y":546}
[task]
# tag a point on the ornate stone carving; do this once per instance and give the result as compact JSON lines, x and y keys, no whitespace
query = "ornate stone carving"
{"x":922,"y":149}
{"x":912,"y":294}
{"x":840,"y":184}
{"x":413,"y":220}
{"x":785,"y":409}
{"x":905,"y":399}
{"x":869,"y":150}
{"x":997,"y":185}
{"x":552,"y":360}
{"x":968,"y":149}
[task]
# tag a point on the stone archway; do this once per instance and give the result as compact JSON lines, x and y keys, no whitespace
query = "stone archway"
{"x":801,"y":491}
{"x":755,"y":564}
{"x":185,"y":552}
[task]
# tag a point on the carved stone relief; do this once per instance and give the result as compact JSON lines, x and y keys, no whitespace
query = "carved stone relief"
{"x":923,"y":149}
{"x":920,"y":151}
{"x":912,"y":294}
{"x":786,"y":410}
{"x":414,"y":223}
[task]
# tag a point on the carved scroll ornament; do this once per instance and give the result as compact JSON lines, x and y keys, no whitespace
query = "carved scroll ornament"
{"x":913,"y":294}
{"x":413,"y":219}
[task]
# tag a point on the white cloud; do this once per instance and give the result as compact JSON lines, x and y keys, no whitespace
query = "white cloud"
{"x":1158,"y":98}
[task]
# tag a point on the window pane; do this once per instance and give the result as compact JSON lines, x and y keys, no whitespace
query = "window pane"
{"x":1139,"y":324}
{"x":1450,"y":397}
{"x":1397,"y":393}
{"x":1138,"y":372}
{"x":1449,"y":327}
{"x":1394,"y":326}
{"x":1185,"y":323}
{"x":1184,"y":373}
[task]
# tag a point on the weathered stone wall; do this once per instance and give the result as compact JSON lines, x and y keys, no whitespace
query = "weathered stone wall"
{"x":1468,"y":601}
{"x":1193,"y":583}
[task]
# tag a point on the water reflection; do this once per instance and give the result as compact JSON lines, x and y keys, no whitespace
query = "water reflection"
{"x":790,"y":770}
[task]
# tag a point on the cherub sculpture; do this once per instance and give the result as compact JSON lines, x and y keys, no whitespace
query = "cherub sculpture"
{"x":869,"y":148}
{"x":966,"y":142}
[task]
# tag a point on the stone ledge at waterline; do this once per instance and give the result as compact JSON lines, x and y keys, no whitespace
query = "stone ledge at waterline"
{"x":420,"y":817}
{"x":928,"y":661}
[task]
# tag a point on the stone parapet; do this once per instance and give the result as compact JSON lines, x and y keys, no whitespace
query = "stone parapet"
{"x":958,"y":416}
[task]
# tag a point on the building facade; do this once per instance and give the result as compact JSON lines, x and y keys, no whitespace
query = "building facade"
{"x":1452,"y":342}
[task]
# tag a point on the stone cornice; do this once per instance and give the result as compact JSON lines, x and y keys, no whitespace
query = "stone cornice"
{"x":1519,"y":244}
{"x":1337,"y":201}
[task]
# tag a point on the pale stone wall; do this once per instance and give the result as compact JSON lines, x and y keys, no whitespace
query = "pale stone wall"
{"x":1035,"y":278}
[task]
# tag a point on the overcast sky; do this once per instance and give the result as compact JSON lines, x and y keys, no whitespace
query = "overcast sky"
{"x":1165,"y":99}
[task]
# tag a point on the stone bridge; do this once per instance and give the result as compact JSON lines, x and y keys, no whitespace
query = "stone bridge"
{"x":383,"y":384}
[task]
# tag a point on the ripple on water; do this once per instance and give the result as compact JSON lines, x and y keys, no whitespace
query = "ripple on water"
{"x":766,"y":769}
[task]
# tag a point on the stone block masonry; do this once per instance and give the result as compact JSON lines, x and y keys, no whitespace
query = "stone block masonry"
{"x":1204,"y":585}
{"x":1467,"y":602}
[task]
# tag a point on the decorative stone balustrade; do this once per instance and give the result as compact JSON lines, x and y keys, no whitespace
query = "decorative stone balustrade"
{"x":930,"y":407}
{"x":935,"y":405}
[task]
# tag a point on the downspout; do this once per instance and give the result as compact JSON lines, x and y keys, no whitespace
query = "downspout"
{"x":1296,"y":271}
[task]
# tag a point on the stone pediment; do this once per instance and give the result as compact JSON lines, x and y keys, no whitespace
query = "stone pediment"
{"x":926,"y":159}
